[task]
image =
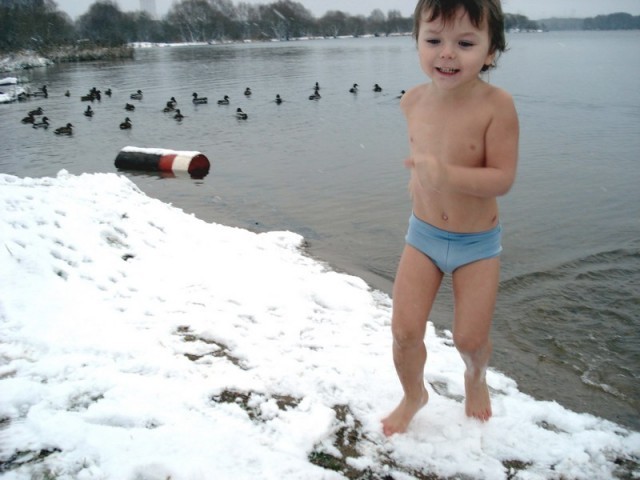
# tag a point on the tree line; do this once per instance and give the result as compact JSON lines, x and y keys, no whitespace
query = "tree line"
{"x":41,"y":26}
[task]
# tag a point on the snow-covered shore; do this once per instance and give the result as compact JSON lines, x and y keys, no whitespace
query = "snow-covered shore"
{"x":139,"y":342}
{"x":28,"y":59}
{"x":23,"y":61}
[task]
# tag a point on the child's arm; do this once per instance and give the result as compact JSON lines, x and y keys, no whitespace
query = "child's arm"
{"x":501,"y":156}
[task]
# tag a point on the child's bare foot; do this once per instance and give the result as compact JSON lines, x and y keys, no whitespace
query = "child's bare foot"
{"x":398,"y":421}
{"x":477,"y":403}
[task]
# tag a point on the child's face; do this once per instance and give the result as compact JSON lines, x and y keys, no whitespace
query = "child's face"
{"x":453,"y":54}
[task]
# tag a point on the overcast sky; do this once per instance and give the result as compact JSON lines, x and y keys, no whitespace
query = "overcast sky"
{"x":534,"y":9}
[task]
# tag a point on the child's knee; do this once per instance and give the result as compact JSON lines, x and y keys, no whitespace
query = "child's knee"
{"x":471,"y":346}
{"x":407,"y":335}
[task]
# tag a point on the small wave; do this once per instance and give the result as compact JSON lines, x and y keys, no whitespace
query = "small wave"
{"x":582,"y":317}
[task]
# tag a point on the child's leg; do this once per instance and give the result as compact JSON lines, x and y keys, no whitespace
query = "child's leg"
{"x":415,"y":287}
{"x":475,"y":287}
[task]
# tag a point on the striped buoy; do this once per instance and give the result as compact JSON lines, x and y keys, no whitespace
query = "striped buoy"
{"x":162,"y":160}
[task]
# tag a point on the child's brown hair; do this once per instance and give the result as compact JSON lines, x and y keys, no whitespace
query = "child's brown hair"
{"x":477,"y":10}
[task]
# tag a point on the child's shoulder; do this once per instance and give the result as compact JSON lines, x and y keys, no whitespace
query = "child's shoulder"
{"x":413,"y":95}
{"x":497,"y":94}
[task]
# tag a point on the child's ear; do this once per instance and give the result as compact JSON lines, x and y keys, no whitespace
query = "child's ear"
{"x":489,"y":62}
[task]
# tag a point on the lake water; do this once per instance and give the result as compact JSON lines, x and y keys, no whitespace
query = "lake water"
{"x":567,"y":322}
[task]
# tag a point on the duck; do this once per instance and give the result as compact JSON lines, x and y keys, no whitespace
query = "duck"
{"x":29,"y":119}
{"x":401,"y":94}
{"x":168,"y":108}
{"x":95,"y":94}
{"x":42,"y":92}
{"x":126,"y":125}
{"x":108,"y":92}
{"x":87,"y":98}
{"x":316,"y":86}
{"x":247,"y":92}
{"x":172,"y":101}
{"x":354,"y":89}
{"x":129,"y":108}
{"x":224,"y":101}
{"x":66,"y":130}
{"x":44,"y":123}
{"x":199,"y":100}
{"x":377,"y":88}
{"x":67,"y":93}
{"x":136,"y":96}
{"x":315,"y":95}
{"x":178,"y":116}
{"x":240,"y":115}
{"x":278,"y":99}
{"x":37,"y":111}
{"x":88,"y":112}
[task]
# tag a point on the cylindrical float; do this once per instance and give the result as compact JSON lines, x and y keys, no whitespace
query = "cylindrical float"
{"x":163,"y":160}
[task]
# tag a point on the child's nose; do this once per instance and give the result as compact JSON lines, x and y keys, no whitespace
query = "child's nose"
{"x":447,"y":51}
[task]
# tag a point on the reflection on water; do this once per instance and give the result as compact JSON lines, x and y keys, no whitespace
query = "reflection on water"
{"x":567,"y":320}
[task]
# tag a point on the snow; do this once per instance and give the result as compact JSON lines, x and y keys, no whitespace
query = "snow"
{"x":23,"y":60}
{"x":139,"y":342}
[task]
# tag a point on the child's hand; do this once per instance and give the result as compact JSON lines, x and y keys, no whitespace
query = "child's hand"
{"x":431,"y":172}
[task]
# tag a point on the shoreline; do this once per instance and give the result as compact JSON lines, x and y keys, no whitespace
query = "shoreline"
{"x":29,"y":59}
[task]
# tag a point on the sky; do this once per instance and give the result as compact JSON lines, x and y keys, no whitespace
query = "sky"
{"x":138,"y":341}
{"x":534,"y":9}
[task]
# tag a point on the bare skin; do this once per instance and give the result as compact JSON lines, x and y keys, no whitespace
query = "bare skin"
{"x":463,"y":136}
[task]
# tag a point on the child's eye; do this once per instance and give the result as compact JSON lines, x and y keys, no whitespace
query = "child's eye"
{"x":433,"y":41}
{"x":465,"y":44}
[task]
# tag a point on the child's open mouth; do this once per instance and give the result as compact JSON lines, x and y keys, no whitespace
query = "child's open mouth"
{"x":447,"y":71}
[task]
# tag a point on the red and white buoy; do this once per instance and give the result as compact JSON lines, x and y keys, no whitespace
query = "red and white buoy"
{"x":163,"y":160}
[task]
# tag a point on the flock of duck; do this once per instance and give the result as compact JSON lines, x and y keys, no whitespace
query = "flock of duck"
{"x":38,"y":120}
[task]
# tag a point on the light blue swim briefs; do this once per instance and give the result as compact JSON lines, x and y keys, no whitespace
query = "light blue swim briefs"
{"x":451,"y":250}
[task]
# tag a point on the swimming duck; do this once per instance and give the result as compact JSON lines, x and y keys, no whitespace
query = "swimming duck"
{"x":67,"y":93}
{"x":172,"y":101}
{"x":224,"y":101}
{"x":401,"y":94}
{"x":178,"y":116}
{"x":354,"y":89}
{"x":108,"y":92}
{"x":377,"y":88}
{"x":199,"y":100}
{"x":247,"y":92}
{"x":66,"y":130}
{"x":126,"y":125}
{"x":29,"y":119}
{"x":37,"y":111}
{"x":42,"y":92}
{"x":240,"y":115}
{"x":315,"y":95}
{"x":88,"y":112}
{"x":168,"y":108}
{"x":136,"y":96}
{"x":44,"y":123}
{"x":130,"y":108}
{"x":95,"y":94}
{"x":316,"y":87}
{"x":87,"y":98}
{"x":278,"y":99}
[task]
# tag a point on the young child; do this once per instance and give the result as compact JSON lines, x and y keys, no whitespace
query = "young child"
{"x":463,"y":136}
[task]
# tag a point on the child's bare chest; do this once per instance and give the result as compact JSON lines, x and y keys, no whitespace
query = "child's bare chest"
{"x":453,"y":136}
